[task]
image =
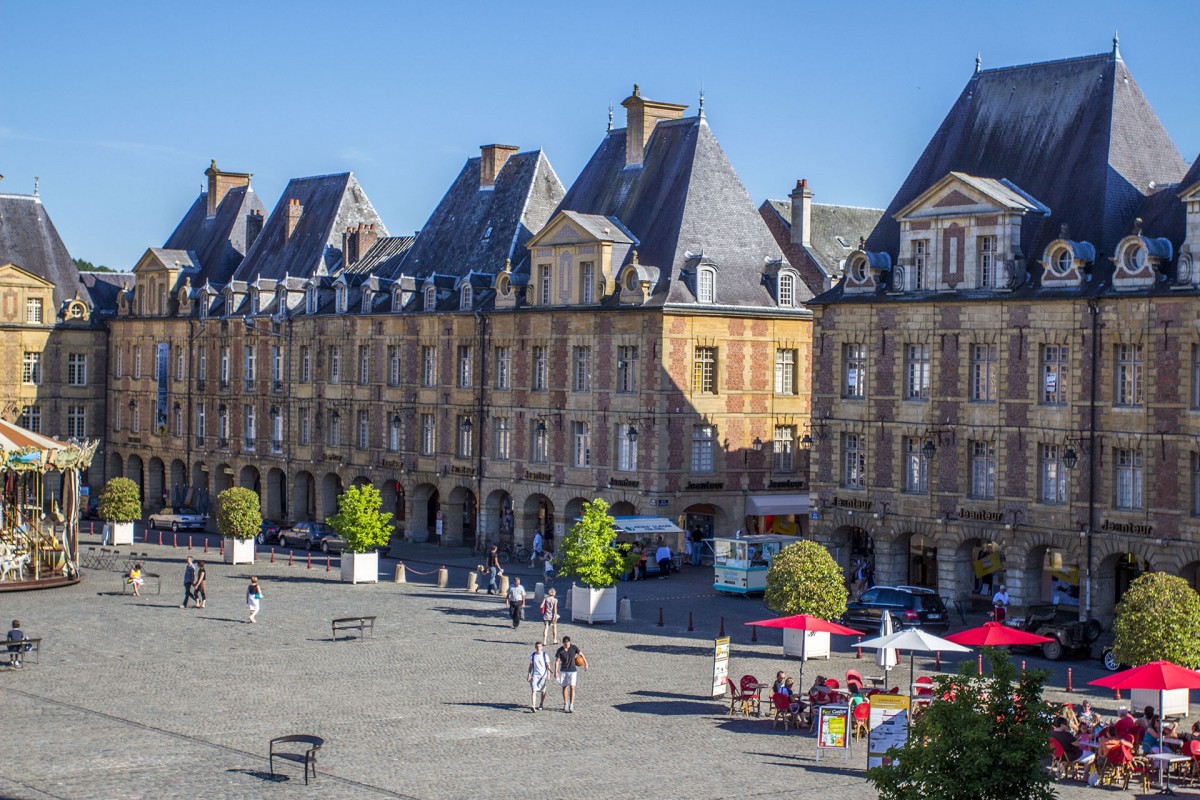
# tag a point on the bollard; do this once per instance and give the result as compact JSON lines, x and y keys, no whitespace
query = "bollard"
{"x":690,"y":628}
{"x":753,"y":633}
{"x":310,"y":560}
{"x":722,"y":633}
{"x":1070,"y":688}
{"x":660,"y":619}
{"x":858,"y":647}
{"x":539,"y":593}
{"x":400,"y":577}
{"x":205,"y":544}
{"x":222,"y":545}
{"x":981,"y":663}
{"x":92,"y":529}
{"x":146,"y":536}
{"x":472,"y":586}
{"x":174,"y":540}
{"x":503,"y":585}
{"x":272,"y":555}
{"x":1116,"y":694}
{"x":328,"y":563}
{"x":189,"y":542}
{"x":938,"y":661}
{"x":160,"y":538}
{"x":290,"y":554}
{"x":443,"y":579}
{"x":624,"y":609}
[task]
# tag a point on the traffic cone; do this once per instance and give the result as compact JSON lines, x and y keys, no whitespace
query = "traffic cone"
{"x":160,"y":538}
{"x":174,"y":540}
{"x":1070,"y":688}
{"x":858,"y":649}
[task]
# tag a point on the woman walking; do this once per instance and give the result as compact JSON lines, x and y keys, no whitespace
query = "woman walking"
{"x":253,"y":597}
{"x":550,"y":616}
{"x":199,"y":589}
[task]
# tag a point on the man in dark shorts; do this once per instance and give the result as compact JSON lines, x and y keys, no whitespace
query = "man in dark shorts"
{"x":567,"y":661}
{"x":493,"y":568}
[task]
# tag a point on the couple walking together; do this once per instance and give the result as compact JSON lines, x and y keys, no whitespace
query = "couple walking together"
{"x":566,"y":662}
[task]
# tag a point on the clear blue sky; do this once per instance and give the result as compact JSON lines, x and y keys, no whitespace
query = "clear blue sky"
{"x":119,"y":106}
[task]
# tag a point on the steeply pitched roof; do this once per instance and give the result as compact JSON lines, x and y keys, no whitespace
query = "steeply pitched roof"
{"x":684,"y":202}
{"x":103,"y":288}
{"x":330,"y":204}
{"x":477,"y":230}
{"x":836,"y":231}
{"x":219,"y":241}
{"x":1077,"y":134}
{"x":384,"y":257}
{"x":29,"y":240}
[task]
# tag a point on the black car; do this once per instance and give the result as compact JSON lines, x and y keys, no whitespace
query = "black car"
{"x":911,"y":607}
{"x":268,"y":532}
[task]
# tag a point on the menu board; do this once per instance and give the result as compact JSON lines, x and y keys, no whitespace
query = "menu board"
{"x":888,"y":726}
{"x":720,"y":666}
{"x":833,"y":727}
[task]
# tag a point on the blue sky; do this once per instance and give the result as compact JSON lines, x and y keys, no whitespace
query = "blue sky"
{"x":119,"y":106}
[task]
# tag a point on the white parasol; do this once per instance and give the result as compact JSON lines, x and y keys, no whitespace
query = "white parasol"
{"x":886,"y":656}
{"x":913,"y":640}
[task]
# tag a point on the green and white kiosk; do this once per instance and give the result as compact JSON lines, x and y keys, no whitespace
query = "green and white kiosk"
{"x":740,"y":564}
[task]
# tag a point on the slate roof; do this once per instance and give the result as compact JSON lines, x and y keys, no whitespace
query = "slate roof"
{"x":104,"y":287}
{"x":383,"y":257}
{"x":29,"y":240}
{"x":185,"y":258}
{"x":1077,"y":134}
{"x":685,"y":202}
{"x":821,"y":262}
{"x":219,"y":241}
{"x":331,"y":204}
{"x":477,"y":230}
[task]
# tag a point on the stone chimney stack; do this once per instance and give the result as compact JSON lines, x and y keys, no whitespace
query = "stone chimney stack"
{"x":492,"y":159}
{"x":254,"y":226}
{"x":802,"y":213}
{"x":293,"y":211}
{"x":357,"y":241}
{"x":219,"y":184}
{"x":641,"y":116}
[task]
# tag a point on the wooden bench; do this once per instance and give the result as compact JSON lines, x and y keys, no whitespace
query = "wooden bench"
{"x":360,"y":624}
{"x":306,"y":756}
{"x":146,"y":576}
{"x":27,"y":646}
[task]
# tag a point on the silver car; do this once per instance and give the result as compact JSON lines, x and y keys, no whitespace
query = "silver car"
{"x":178,"y":518}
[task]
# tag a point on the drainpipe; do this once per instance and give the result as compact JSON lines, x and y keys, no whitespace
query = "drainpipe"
{"x":1093,"y":456}
{"x":481,"y":326}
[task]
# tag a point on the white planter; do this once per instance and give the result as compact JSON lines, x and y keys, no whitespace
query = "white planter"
{"x":593,"y":605}
{"x":120,"y":532}
{"x":805,"y":644}
{"x":239,"y":551}
{"x":360,"y":567}
{"x":1168,"y":703}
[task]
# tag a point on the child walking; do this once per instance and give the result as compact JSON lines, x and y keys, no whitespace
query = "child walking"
{"x":253,"y":598}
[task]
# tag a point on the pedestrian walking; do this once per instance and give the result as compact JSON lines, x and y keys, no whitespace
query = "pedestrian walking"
{"x":253,"y":598}
{"x":189,"y":579}
{"x":550,"y":615}
{"x":548,"y":568}
{"x":516,"y":601}
{"x":16,"y":640}
{"x":697,"y":537}
{"x":200,"y":585}
{"x":536,"y":555}
{"x":567,"y":661}
{"x":493,"y":568}
{"x":135,"y":579}
{"x":663,"y":557}
{"x":1000,"y":604}
{"x":539,"y":672}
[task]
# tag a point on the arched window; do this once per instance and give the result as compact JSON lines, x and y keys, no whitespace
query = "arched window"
{"x":787,"y":290}
{"x":341,"y":299}
{"x":467,"y":299}
{"x":706,"y":286}
{"x":397,"y":300}
{"x":430,"y":298}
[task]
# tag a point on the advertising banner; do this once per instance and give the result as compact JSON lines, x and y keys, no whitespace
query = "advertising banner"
{"x":720,"y":666}
{"x":887,"y":726}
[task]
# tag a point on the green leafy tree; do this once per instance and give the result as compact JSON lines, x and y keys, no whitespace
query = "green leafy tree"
{"x":588,"y":551}
{"x":239,"y":513}
{"x":120,"y":501}
{"x":985,"y":738}
{"x":1158,"y":619}
{"x":359,"y":520}
{"x":804,"y":579}
{"x":87,"y":266}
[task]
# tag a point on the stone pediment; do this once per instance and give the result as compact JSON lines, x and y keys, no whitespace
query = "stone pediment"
{"x":12,"y":275}
{"x":570,"y":227}
{"x":959,"y":194}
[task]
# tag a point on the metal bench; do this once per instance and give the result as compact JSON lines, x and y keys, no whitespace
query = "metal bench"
{"x":307,"y":757}
{"x":360,"y":624}
{"x":26,"y":646}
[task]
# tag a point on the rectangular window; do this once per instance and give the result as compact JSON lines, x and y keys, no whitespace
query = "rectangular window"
{"x":335,"y":364}
{"x":464,"y":442}
{"x":983,"y":373}
{"x":503,"y":368}
{"x":33,"y":311}
{"x":587,"y":282}
{"x":31,"y":418}
{"x":464,"y":366}
{"x":137,"y":362}
{"x":916,"y":467}
{"x":222,"y":427}
{"x":916,"y":372}
{"x":783,"y":455}
{"x":394,"y":434}
{"x":1052,"y":475}
{"x":627,"y":361}
{"x":581,"y":436}
{"x":305,"y":426}
{"x":428,"y":435}
{"x":704,"y":371}
{"x":539,"y":449}
{"x":854,"y":371}
{"x":428,"y":365}
{"x":276,"y":366}
{"x":1128,"y":389}
{"x":983,"y":470}
{"x":179,"y":362}
{"x":333,"y":432}
{"x":31,"y":369}
{"x":276,"y":431}
{"x":626,"y":448}
{"x":502,"y":434}
{"x":1129,"y":480}
{"x":120,"y":359}
{"x":177,"y":421}
{"x":544,"y":284}
{"x":223,"y":366}
{"x":305,"y":364}
{"x":704,"y":440}
{"x":1055,"y":362}
{"x":364,"y":430}
{"x":986,"y":252}
{"x":249,"y":428}
{"x":201,"y":427}
{"x":1195,"y":378}
{"x":135,"y":419}
{"x":251,"y":365}
{"x":785,"y":371}
{"x":920,"y":257}
{"x":393,"y":355}
{"x":364,"y":364}
{"x":539,"y":368}
{"x":76,"y":422}
{"x":77,"y":369}
{"x":581,"y":359}
{"x":854,"y":461}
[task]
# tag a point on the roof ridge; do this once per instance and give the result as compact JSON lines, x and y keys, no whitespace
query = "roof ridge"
{"x":1107,"y":57}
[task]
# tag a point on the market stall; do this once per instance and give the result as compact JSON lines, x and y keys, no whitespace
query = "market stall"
{"x":740,"y":564}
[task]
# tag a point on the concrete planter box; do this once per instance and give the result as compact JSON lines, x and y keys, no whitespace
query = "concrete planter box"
{"x":360,"y":567}
{"x":120,"y":532}
{"x":805,"y":644}
{"x":239,"y":551}
{"x":593,"y":605}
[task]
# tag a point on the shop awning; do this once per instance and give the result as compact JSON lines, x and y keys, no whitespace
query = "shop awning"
{"x":765,"y":505}
{"x":643,"y":525}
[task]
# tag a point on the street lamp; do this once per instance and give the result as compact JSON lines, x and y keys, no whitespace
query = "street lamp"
{"x":929,"y":450}
{"x":1070,"y":458}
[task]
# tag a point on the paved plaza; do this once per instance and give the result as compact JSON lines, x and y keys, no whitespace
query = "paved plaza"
{"x":137,"y":698}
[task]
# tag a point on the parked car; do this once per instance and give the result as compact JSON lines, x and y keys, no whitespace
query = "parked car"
{"x":911,"y":607}
{"x":178,"y":518}
{"x":1070,"y":636}
{"x":91,"y":509}
{"x":305,"y":534}
{"x":268,"y":532}
{"x":332,"y":543}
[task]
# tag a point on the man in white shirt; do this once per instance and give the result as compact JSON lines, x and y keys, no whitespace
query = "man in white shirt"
{"x":663,"y":557}
{"x":516,"y":601}
{"x":536,"y":555}
{"x":539,"y":671}
{"x":1000,"y":604}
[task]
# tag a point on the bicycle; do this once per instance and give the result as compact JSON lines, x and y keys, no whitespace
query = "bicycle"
{"x":509,"y":550}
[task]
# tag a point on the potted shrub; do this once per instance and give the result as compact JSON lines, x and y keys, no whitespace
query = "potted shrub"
{"x":364,"y":529}
{"x":239,"y":517}
{"x":590,"y":554}
{"x":120,"y":507}
{"x":804,"y":579}
{"x":1158,"y":618}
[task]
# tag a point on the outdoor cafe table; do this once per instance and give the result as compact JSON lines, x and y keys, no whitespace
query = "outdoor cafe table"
{"x":1166,"y":759}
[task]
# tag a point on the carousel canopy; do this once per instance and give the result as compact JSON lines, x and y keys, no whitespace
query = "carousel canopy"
{"x":23,"y":450}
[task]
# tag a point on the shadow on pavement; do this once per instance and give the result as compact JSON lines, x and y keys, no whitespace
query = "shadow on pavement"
{"x":262,"y":776}
{"x":498,"y":706}
{"x":667,"y":708}
{"x":493,"y":612}
{"x":498,"y":641}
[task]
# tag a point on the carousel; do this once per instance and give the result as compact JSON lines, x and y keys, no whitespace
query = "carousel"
{"x":39,"y":541}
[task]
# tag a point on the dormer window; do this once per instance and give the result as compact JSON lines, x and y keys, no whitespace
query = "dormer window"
{"x":1062,"y":261}
{"x":204,"y":309}
{"x":786,"y":289}
{"x":587,"y":280}
{"x":310,"y":300}
{"x":253,"y":301}
{"x":341,"y":299}
{"x":430,"y":298}
{"x":920,"y":257}
{"x":706,"y":285}
{"x":397,"y":300}
{"x":631,"y":280}
{"x":467,"y":298}
{"x":1133,"y":258}
{"x":504,"y":285}
{"x":859,"y":270}
{"x":987,"y":261}
{"x":281,"y":301}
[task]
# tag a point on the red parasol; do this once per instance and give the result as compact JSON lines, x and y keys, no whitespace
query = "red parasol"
{"x":1157,"y":676}
{"x":996,"y":634}
{"x":806,"y":622}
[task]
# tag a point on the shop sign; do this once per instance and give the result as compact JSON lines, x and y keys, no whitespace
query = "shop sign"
{"x":706,"y":486}
{"x":887,"y":727}
{"x":456,"y":469}
{"x":833,"y":730}
{"x":624,"y":483}
{"x":980,"y":516}
{"x":1135,"y":528}
{"x":790,"y":484}
{"x":538,"y":476}
{"x":720,"y":666}
{"x":852,"y":503}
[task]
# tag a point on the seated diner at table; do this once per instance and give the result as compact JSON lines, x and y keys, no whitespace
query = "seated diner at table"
{"x":780,"y":682}
{"x":1070,"y":742}
{"x":819,"y":692}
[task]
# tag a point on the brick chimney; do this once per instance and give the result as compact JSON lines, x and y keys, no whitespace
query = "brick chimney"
{"x":492,"y":159}
{"x":802,"y":213}
{"x":357,"y":241}
{"x":254,"y":226}
{"x":292,"y":218}
{"x":641,"y":116}
{"x":219,"y":184}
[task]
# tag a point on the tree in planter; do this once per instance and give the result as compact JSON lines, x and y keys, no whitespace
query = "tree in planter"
{"x":588,"y":551}
{"x":985,"y":739}
{"x":1158,"y":619}
{"x":359,"y":520}
{"x":804,"y":579}
{"x":120,"y":501}
{"x":239,"y":513}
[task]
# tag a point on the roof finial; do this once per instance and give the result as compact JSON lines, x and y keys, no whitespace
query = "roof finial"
{"x":636,"y":91}
{"x":1116,"y":46}
{"x":702,"y":101}
{"x":610,"y":115}
{"x":978,"y":62}
{"x":36,"y":180}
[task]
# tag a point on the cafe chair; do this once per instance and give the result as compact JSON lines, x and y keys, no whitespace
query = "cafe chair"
{"x":737,"y":700}
{"x":750,"y":692}
{"x":1063,"y":767}
{"x":924,"y":686}
{"x":782,"y":703}
{"x":862,"y":714}
{"x":832,"y":684}
{"x":854,"y":680}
